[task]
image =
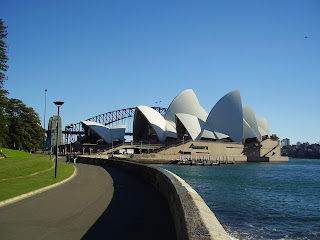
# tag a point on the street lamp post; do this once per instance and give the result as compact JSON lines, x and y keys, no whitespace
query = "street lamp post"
{"x":112,"y":147}
{"x":58,"y":104}
{"x":70,"y":152}
{"x":114,"y":139}
{"x":183,"y":145}
{"x":44,"y":118}
{"x":71,"y":126}
{"x":141,"y":141}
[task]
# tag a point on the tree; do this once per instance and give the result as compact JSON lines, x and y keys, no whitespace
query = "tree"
{"x":20,"y":126}
{"x":24,"y":126}
{"x":3,"y":92}
{"x":3,"y":53}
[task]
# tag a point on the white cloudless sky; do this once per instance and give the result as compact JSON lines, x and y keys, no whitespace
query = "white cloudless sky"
{"x":99,"y":56}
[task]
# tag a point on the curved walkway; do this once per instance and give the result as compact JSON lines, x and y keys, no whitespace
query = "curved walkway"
{"x":96,"y":204}
{"x":65,"y":212}
{"x":137,"y":212}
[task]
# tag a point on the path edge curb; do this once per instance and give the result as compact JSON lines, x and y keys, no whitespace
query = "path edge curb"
{"x":35,"y":192}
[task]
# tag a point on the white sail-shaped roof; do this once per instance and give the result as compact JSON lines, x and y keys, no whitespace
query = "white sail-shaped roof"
{"x":186,"y":102}
{"x":206,"y":133}
{"x":250,"y":124}
{"x":104,"y":132}
{"x":209,"y":133}
{"x":263,"y":126}
{"x":171,"y":131}
{"x":227,"y":120}
{"x":118,"y":132}
{"x":191,"y":123}
{"x":155,"y":119}
{"x":226,"y":116}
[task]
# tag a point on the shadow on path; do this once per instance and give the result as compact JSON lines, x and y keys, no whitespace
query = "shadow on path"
{"x":137,"y":211}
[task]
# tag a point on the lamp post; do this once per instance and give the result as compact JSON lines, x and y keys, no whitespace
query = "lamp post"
{"x":112,"y":147}
{"x":58,"y":104}
{"x":70,"y":152}
{"x":114,"y":139}
{"x":71,"y":126}
{"x":44,"y":118}
{"x":141,"y":141}
{"x":183,"y":144}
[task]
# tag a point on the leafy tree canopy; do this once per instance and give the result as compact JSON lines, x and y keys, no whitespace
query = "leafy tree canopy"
{"x":24,"y":126}
{"x":3,"y":92}
{"x":3,"y":53}
{"x":20,"y":126}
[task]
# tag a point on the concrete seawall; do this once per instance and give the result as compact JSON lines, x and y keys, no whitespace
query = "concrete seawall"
{"x":192,"y":217}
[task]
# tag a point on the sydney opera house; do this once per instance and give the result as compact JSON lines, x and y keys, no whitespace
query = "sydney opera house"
{"x":227,"y":121}
{"x":228,"y":130}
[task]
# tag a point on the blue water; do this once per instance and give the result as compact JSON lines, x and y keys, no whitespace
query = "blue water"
{"x":260,"y":200}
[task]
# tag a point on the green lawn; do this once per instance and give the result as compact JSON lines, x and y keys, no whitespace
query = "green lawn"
{"x":23,"y":164}
{"x":15,"y":153}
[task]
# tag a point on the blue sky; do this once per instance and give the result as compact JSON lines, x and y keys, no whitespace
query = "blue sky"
{"x":100,"y":56}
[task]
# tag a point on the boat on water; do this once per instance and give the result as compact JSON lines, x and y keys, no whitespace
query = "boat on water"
{"x":205,"y":161}
{"x":199,"y":162}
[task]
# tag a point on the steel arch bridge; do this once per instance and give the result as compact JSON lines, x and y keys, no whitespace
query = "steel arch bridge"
{"x":121,"y":116}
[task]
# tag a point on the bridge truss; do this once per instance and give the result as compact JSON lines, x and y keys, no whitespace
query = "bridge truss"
{"x":110,"y":119}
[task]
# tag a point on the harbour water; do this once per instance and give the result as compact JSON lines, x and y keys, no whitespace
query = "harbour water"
{"x":260,"y":200}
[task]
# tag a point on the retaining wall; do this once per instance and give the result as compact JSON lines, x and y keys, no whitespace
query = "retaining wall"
{"x":192,"y":217}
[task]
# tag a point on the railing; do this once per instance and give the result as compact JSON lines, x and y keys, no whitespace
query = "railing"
{"x":170,"y":145}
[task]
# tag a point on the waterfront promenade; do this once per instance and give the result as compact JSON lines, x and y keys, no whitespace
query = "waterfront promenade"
{"x":100,"y":202}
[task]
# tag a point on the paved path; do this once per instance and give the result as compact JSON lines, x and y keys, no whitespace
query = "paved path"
{"x":82,"y":208}
{"x":65,"y":212}
{"x":137,"y":211}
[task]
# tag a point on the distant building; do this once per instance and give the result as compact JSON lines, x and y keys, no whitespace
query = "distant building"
{"x":305,"y":150}
{"x":95,"y":131}
{"x":285,"y":142}
{"x":185,"y":119}
{"x":229,"y":132}
{"x":52,"y":131}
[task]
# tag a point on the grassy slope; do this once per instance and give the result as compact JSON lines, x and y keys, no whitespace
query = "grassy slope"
{"x":22,"y":164}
